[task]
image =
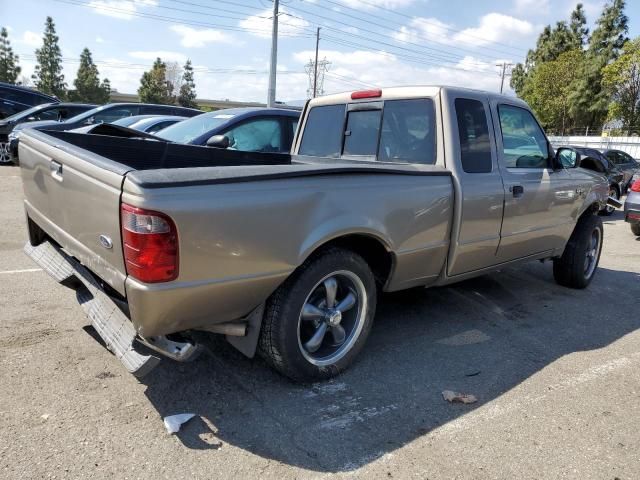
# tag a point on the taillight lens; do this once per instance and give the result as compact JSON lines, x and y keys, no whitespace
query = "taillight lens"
{"x":150,"y":244}
{"x":635,"y":187}
{"x":376,"y":93}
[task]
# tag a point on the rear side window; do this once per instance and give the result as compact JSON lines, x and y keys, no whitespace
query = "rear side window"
{"x":322,"y":135}
{"x":361,"y":135}
{"x":408,"y":132}
{"x":473,"y":132}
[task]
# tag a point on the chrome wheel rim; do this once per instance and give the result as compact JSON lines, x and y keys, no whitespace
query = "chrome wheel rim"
{"x":4,"y":153}
{"x":332,"y":317}
{"x":612,"y":193}
{"x":593,"y":252}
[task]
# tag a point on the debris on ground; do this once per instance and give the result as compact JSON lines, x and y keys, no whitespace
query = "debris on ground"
{"x":174,"y":422}
{"x":455,"y":397}
{"x":45,"y":416}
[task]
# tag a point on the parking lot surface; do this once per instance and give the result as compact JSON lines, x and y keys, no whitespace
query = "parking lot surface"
{"x":556,"y":373}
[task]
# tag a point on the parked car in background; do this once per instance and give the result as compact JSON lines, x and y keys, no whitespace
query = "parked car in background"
{"x":142,"y":123}
{"x":149,"y":123}
{"x":625,"y":163}
{"x":614,"y":175}
{"x":47,"y":111}
{"x":632,"y":205}
{"x":14,"y":99}
{"x":104,"y":114}
{"x":246,"y":129}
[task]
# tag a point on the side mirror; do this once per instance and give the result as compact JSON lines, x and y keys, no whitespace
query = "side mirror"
{"x":566,"y":158}
{"x":218,"y":141}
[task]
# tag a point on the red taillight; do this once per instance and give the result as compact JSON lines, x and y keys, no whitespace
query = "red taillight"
{"x":150,"y":244}
{"x":366,"y":94}
{"x":636,"y":186}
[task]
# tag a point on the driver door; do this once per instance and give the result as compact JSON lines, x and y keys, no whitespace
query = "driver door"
{"x":540,"y":203}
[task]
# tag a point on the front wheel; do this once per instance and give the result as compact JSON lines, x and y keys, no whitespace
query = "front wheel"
{"x":319,"y":319}
{"x":4,"y":153}
{"x":577,"y":266}
{"x":635,"y":229}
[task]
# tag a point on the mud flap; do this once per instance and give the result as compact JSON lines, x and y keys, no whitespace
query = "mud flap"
{"x":113,"y":326}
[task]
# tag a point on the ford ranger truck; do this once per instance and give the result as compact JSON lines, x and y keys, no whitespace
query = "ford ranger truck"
{"x":285,"y":255}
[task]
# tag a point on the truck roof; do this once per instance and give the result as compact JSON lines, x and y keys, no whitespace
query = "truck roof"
{"x":389,"y":93}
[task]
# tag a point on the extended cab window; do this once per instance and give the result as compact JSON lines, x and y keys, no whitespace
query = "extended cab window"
{"x":523,"y":142}
{"x":473,"y":131}
{"x":408,"y":132}
{"x":322,"y":135}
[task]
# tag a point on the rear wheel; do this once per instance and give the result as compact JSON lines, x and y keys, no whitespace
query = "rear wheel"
{"x":319,"y":319}
{"x":4,"y":153}
{"x":635,"y":229}
{"x":577,"y":266}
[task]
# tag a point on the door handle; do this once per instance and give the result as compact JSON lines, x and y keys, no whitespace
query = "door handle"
{"x":517,"y":190}
{"x":56,"y":170}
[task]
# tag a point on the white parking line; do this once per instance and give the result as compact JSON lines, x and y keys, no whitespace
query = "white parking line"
{"x":26,"y":270}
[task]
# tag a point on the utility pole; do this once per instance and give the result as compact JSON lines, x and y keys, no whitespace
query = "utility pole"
{"x":504,"y":66}
{"x":271,"y":97}
{"x":315,"y":66}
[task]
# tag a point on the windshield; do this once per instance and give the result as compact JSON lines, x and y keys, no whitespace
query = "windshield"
{"x":188,"y":130}
{"x":24,"y":113}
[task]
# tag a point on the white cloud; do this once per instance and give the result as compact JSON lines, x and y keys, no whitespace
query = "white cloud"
{"x":260,"y":24}
{"x":31,"y":38}
{"x":196,"y":38}
{"x":165,"y":55}
{"x":99,"y":39}
{"x":494,"y":27}
{"x":372,"y":4}
{"x":123,"y":9}
{"x":419,"y":28}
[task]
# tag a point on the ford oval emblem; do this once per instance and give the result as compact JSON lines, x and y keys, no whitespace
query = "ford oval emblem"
{"x":106,"y":242}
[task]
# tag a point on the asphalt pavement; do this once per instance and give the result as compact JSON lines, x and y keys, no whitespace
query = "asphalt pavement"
{"x":555,"y":371}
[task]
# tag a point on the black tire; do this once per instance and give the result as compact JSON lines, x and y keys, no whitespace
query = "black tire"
{"x":608,"y":210}
{"x":635,"y":229}
{"x":571,"y":269}
{"x":281,"y":342}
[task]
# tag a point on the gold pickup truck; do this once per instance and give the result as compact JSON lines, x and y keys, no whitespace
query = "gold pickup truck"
{"x":285,"y":254}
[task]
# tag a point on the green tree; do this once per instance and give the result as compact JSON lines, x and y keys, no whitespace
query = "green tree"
{"x":9,"y":69}
{"x":590,"y":100}
{"x":549,"y":87}
{"x":48,"y":77}
{"x":154,"y":87}
{"x":551,"y":43}
{"x":87,"y":82}
{"x":187,"y":94}
{"x":578,"y":27}
{"x":622,"y":79}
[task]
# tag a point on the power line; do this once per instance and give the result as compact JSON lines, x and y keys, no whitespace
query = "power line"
{"x":385,"y":27}
{"x":426,"y":20}
{"x":173,"y":20}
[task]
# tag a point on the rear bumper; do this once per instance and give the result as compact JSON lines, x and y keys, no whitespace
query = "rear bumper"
{"x":632,"y":208}
{"x":113,"y":326}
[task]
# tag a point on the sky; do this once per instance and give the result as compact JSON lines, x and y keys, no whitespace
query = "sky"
{"x":366,"y":43}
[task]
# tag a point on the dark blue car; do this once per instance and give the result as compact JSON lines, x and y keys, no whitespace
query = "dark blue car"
{"x":245,"y":129}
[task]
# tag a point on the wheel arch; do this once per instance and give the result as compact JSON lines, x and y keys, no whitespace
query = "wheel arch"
{"x":373,"y":249}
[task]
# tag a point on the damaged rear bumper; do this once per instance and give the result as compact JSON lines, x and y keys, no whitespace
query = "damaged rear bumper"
{"x":109,"y":321}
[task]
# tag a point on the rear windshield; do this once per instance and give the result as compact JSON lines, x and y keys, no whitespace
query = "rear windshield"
{"x":401,"y":131}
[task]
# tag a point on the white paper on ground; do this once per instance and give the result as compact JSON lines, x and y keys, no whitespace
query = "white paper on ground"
{"x":174,"y":422}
